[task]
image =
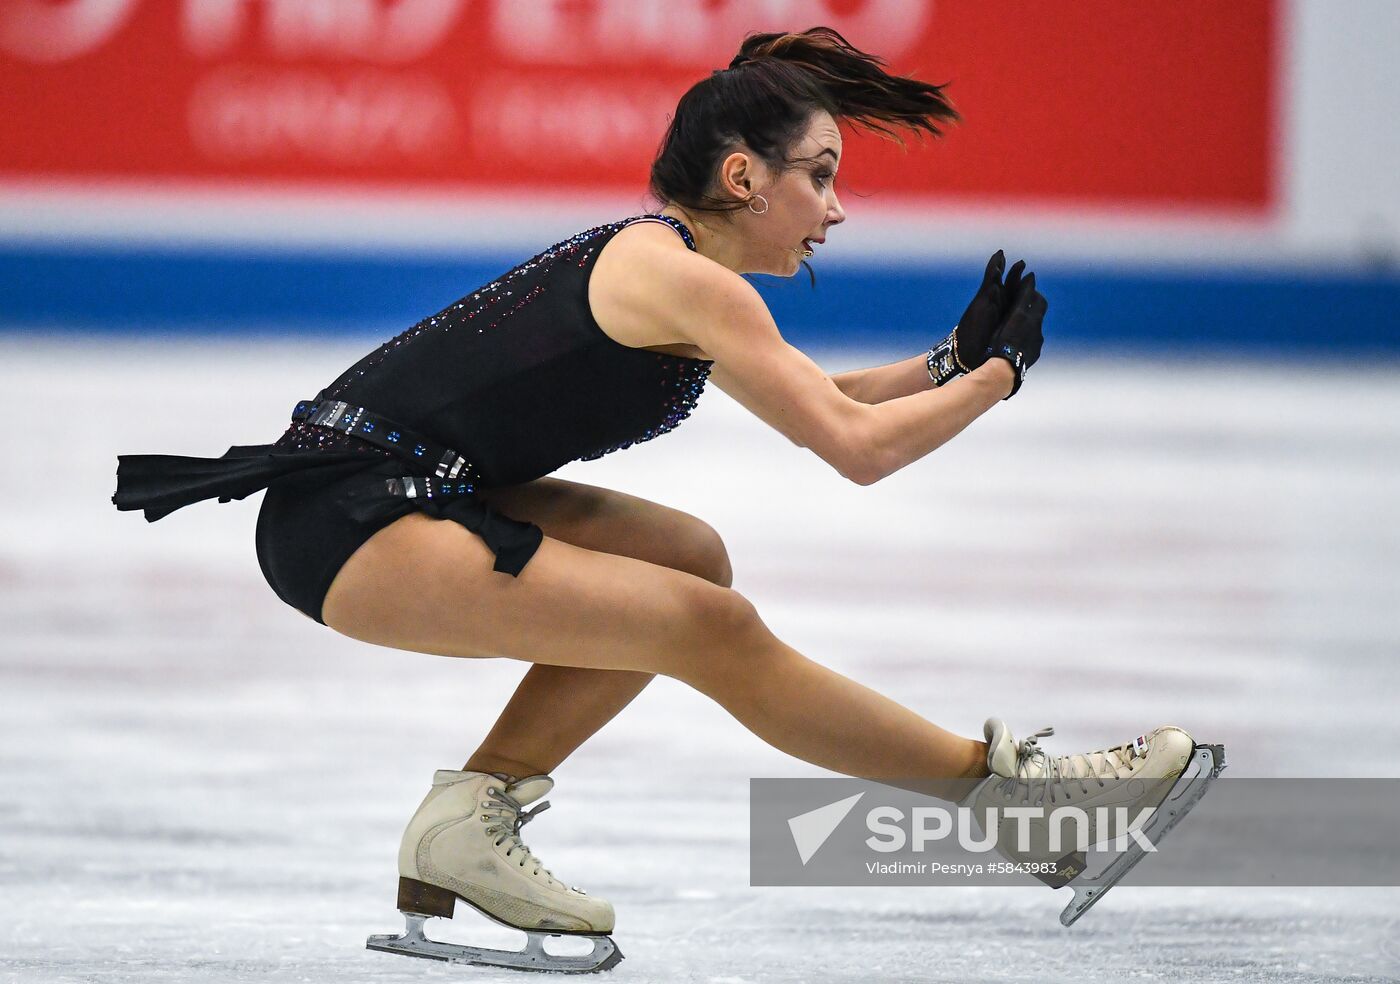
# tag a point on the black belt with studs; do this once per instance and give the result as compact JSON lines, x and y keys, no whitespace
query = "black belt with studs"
{"x":451,"y":475}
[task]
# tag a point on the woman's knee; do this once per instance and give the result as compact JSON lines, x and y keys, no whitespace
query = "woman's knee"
{"x":725,"y":634}
{"x":704,"y":554}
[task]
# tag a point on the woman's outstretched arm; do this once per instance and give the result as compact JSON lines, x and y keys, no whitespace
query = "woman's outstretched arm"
{"x":677,"y":296}
{"x":880,"y":383}
{"x":786,"y":389}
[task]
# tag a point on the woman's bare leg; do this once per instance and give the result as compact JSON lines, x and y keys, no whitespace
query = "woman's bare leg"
{"x":555,"y":709}
{"x":426,"y":585}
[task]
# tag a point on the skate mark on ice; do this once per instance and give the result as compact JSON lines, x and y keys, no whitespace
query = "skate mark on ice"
{"x":725,"y":916}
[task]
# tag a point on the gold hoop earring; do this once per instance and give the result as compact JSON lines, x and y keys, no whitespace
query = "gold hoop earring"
{"x":756,"y":211}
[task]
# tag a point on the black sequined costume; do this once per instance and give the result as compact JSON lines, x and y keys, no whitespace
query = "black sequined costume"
{"x":516,"y":377}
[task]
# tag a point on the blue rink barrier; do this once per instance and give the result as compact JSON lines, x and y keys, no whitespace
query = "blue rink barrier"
{"x":125,"y":290}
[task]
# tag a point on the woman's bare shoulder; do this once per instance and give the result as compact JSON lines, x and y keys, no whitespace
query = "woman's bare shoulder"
{"x":643,"y":275}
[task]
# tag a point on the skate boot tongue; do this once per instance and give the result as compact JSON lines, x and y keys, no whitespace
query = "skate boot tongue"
{"x":1011,"y":759}
{"x":526,"y":791}
{"x":523,"y":791}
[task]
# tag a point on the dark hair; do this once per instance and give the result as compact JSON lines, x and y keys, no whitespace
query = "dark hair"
{"x":765,"y":99}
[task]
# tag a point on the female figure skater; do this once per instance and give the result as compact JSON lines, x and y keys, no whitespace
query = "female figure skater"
{"x":408,"y":505}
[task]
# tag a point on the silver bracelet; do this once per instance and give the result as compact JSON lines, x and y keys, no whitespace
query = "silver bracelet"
{"x":942,"y":360}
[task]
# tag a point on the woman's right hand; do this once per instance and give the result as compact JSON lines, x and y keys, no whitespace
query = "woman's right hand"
{"x":1018,"y":339}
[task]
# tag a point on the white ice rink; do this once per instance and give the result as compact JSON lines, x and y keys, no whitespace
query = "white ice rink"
{"x":199,"y":784}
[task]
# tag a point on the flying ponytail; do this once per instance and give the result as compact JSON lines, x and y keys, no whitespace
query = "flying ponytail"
{"x":767,"y":95}
{"x":856,"y":83}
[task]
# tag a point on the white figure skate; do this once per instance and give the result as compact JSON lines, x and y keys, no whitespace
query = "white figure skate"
{"x":1164,"y":770}
{"x":464,"y":843}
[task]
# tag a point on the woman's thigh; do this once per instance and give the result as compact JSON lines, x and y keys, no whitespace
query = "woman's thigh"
{"x":427,"y":585}
{"x":617,"y":523}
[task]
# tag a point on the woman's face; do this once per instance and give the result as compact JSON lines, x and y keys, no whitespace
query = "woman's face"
{"x":801,"y":200}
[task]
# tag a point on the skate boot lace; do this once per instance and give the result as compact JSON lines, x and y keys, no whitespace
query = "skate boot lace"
{"x":1058,"y":774}
{"x":504,"y":816}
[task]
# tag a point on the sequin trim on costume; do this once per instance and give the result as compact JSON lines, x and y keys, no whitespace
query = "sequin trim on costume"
{"x":682,"y":389}
{"x":684,"y":378}
{"x":301,"y":436}
{"x":485,"y":308}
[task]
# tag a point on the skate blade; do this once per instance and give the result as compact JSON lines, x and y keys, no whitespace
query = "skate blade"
{"x":1088,"y":889}
{"x":413,"y":943}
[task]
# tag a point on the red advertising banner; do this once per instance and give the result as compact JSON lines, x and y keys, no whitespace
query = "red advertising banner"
{"x":1084,"y":102}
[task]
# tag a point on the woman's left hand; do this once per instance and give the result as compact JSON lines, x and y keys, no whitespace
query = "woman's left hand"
{"x":988,"y":309}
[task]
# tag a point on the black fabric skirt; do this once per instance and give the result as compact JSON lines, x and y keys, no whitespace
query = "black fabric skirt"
{"x":319,"y":508}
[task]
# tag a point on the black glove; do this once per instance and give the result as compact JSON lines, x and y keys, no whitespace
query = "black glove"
{"x":1018,"y":338}
{"x":1009,"y":289}
{"x":965,"y":347}
{"x":979,"y":322}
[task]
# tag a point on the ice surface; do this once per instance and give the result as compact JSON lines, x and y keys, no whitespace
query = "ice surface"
{"x":199,"y":784}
